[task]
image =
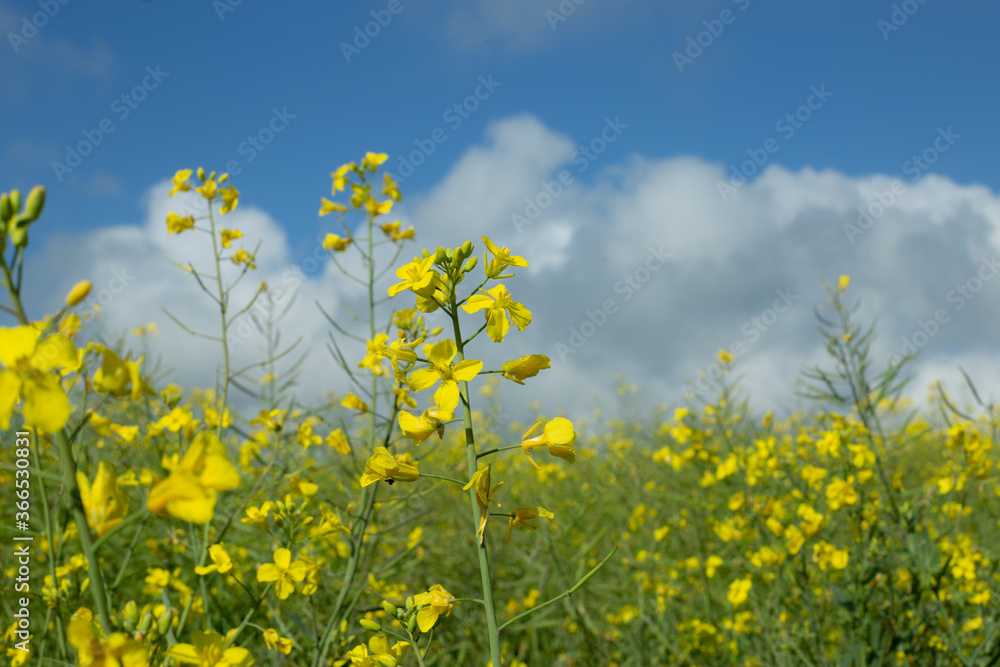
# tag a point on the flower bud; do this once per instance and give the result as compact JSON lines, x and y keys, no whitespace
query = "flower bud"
{"x":78,"y":293}
{"x":19,"y":235}
{"x":201,"y":174}
{"x":440,"y":255}
{"x":425,"y":253}
{"x":470,"y":264}
{"x":146,"y":623}
{"x":163,"y":622}
{"x":36,"y":202}
{"x":130,"y":616}
{"x":411,"y":625}
{"x":370,"y":625}
{"x":467,"y":248}
{"x":390,"y":608}
{"x":15,"y":201}
{"x":6,"y":208}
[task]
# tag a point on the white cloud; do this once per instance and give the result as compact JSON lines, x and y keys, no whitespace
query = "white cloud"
{"x":744,"y":271}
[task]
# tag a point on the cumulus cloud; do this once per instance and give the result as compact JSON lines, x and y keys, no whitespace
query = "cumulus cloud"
{"x":639,"y":269}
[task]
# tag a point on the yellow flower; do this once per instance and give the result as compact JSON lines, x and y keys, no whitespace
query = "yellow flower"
{"x":440,"y":356}
{"x":391,"y":229}
{"x":724,"y":357}
{"x":93,"y":650}
{"x":326,"y":207}
{"x":812,"y":475}
{"x":840,"y":493}
{"x":117,"y":377}
{"x":221,"y":562}
{"x":381,"y":654}
{"x":826,"y":555}
{"x":352,"y":402}
{"x":500,"y":312}
{"x":336,"y":243}
{"x":433,"y":603}
{"x":383,"y":465}
{"x":420,"y":428}
{"x":28,"y":364}
{"x":795,"y":539}
{"x":273,"y":640}
{"x":257,"y":516}
{"x":272,"y":420}
{"x":340,"y":176}
{"x":843,"y":282}
{"x":230,"y":199}
{"x":501,"y":260}
{"x":558,"y":436}
{"x":339,"y":442}
{"x":371,"y":161}
{"x":739,"y":590}
{"x":525,"y":367}
{"x":181,"y":182}
{"x":209,"y":189}
{"x":482,"y":482}
{"x":972,"y":624}
{"x":418,"y":276}
{"x":78,"y":292}
{"x":522,"y":517}
{"x":391,"y":189}
{"x":177,"y":224}
{"x":103,"y":502}
{"x":284,"y":572}
{"x":208,"y":649}
{"x":241,"y":256}
{"x":712,"y":563}
{"x":228,"y":235}
{"x":376,"y":351}
{"x":190,"y":492}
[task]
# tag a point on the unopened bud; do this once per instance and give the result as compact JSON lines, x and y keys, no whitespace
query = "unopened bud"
{"x":467,"y":248}
{"x":130,"y":615}
{"x":470,"y":264}
{"x":15,"y":201}
{"x":6,"y":208}
{"x":411,"y":625}
{"x":77,"y":294}
{"x":425,"y":253}
{"x":164,"y":621}
{"x":201,"y":174}
{"x":440,"y":255}
{"x":390,"y":608}
{"x":370,"y":625}
{"x":146,"y":623}
{"x":36,"y":202}
{"x":19,"y":235}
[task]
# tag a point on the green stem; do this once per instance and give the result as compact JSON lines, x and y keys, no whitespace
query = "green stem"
{"x":470,"y":453}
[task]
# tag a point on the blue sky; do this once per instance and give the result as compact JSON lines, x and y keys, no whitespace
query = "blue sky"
{"x":228,"y":67}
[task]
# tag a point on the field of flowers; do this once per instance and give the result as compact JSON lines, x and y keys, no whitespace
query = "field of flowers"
{"x":409,"y":523}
